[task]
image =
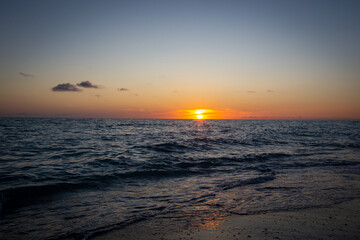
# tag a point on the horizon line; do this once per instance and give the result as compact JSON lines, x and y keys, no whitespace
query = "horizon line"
{"x":132,"y":118}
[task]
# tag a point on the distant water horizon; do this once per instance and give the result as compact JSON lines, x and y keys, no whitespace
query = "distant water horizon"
{"x":70,"y":178}
{"x":152,"y":118}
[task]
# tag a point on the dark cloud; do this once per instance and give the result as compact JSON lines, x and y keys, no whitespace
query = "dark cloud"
{"x":123,"y":89}
{"x":270,"y":91}
{"x":26,"y":75}
{"x":66,"y":87}
{"x":97,"y":95}
{"x":87,"y":84}
{"x":251,"y":91}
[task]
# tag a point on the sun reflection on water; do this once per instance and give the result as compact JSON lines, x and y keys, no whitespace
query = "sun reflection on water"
{"x":209,"y":216}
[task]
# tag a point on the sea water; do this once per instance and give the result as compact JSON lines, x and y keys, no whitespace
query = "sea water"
{"x":72,"y":178}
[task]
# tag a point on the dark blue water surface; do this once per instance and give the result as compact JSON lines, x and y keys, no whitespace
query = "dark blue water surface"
{"x":71,"y":178}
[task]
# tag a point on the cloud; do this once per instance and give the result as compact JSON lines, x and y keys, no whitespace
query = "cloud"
{"x":270,"y":91}
{"x":123,"y":89}
{"x":87,"y":84}
{"x":66,"y":87}
{"x":175,"y":91}
{"x":97,"y":95}
{"x":26,"y":75}
{"x":251,"y":91}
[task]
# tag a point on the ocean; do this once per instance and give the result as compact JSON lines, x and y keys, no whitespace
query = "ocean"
{"x":74,"y":178}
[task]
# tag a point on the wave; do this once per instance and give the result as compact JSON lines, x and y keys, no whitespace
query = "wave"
{"x":13,"y":198}
{"x":106,"y":172}
{"x":332,"y":145}
{"x":279,"y":188}
{"x":226,"y":161}
{"x":168,"y":147}
{"x":310,"y":164}
{"x":157,"y":173}
{"x":240,"y":183}
{"x":204,"y":163}
{"x":219,"y":141}
{"x":120,"y":161}
{"x":21,"y":196}
{"x":265,"y":156}
{"x":202,"y":144}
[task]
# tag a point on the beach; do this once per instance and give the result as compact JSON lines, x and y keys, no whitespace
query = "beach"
{"x":339,"y":221}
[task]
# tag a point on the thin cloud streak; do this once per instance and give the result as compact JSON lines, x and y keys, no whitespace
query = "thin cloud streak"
{"x":26,"y":75}
{"x":123,"y":89}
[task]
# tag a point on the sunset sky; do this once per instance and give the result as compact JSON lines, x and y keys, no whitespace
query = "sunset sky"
{"x":164,"y":59}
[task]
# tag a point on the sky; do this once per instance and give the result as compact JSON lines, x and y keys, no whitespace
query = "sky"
{"x":165,"y":59}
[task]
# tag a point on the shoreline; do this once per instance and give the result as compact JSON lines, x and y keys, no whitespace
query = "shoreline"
{"x":339,"y":221}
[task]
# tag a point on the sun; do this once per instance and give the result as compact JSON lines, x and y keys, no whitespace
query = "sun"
{"x":199,"y":113}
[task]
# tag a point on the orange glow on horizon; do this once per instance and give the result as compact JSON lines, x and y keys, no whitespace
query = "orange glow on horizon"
{"x":208,"y":114}
{"x":199,"y":114}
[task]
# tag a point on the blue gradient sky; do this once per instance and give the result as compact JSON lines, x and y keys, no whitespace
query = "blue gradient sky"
{"x":277,"y":59}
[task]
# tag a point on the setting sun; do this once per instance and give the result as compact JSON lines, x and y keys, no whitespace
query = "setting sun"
{"x":200,"y":116}
{"x":199,"y":113}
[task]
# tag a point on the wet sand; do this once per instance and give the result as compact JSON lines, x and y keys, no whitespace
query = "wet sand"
{"x":340,"y":221}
